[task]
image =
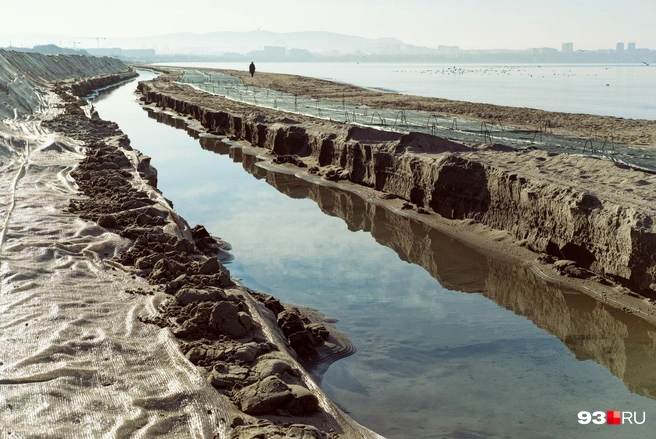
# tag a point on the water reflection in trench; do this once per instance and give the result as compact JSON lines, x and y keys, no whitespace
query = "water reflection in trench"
{"x":410,"y":372}
{"x":433,"y":361}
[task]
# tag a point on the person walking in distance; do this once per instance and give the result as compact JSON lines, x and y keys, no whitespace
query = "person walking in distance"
{"x":251,"y":69}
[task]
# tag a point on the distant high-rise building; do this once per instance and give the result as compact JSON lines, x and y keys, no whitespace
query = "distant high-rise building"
{"x":568,"y":47}
{"x":631,"y":47}
{"x":619,"y":48}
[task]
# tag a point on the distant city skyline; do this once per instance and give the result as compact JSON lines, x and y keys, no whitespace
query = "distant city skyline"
{"x":469,"y":24}
{"x":154,"y":42}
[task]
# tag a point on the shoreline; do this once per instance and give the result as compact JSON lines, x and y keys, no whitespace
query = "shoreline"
{"x":640,"y":132}
{"x":242,"y":339}
{"x":235,"y":120}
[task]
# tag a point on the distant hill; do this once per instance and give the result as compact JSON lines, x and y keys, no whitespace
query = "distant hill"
{"x":243,"y":42}
{"x":217,"y":43}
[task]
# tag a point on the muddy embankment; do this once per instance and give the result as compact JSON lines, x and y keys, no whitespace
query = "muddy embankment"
{"x":87,"y":86}
{"x":246,"y":345}
{"x":590,"y":233}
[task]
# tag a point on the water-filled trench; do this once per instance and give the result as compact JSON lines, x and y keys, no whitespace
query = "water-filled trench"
{"x":451,"y":343}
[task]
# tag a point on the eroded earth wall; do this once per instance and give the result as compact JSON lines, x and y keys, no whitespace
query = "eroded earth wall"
{"x":456,"y":181}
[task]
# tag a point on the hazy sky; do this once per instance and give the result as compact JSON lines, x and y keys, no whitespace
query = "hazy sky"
{"x":470,"y":24}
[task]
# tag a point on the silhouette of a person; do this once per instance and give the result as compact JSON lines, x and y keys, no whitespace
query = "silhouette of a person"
{"x":251,"y":69}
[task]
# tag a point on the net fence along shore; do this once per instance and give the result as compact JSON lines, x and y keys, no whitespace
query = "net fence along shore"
{"x":406,"y":121}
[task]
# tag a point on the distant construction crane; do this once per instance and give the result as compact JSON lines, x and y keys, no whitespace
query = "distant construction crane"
{"x":74,"y":43}
{"x":98,"y":41}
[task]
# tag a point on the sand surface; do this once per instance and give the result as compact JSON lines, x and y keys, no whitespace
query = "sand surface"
{"x":589,"y":174}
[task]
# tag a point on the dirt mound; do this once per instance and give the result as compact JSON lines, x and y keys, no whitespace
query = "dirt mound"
{"x":23,"y":74}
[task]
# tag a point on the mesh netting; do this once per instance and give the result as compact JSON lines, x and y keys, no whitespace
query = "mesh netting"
{"x":405,"y":121}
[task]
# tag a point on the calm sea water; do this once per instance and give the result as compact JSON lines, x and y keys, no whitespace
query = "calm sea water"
{"x":450,"y":343}
{"x":620,"y":90}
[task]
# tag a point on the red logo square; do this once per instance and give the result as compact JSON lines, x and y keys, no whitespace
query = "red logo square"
{"x":614,"y":418}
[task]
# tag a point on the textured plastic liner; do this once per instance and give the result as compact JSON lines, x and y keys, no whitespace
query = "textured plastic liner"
{"x":418,"y":121}
{"x":74,"y":360}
